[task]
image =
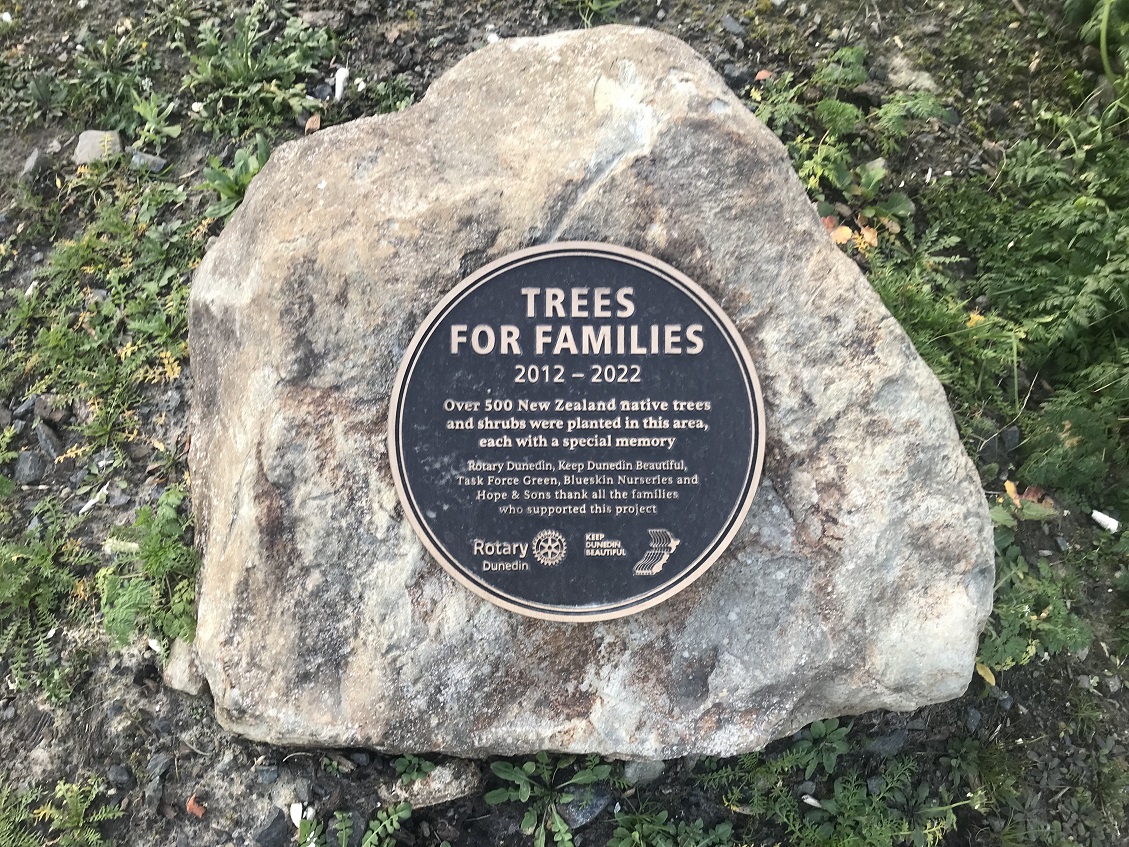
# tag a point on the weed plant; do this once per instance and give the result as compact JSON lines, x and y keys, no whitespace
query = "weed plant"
{"x":152,"y":584}
{"x":44,"y":580}
{"x":230,"y":184}
{"x":1105,"y":23}
{"x":412,"y":768}
{"x":544,"y":784}
{"x":591,"y":11}
{"x":252,"y":76}
{"x":650,"y":828}
{"x":107,"y":317}
{"x":111,"y":74}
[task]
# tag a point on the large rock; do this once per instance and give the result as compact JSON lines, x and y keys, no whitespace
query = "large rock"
{"x":859,"y":580}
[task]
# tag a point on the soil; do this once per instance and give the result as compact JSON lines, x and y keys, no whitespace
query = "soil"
{"x":991,"y":65}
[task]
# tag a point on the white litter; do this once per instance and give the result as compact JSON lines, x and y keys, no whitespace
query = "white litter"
{"x":340,"y":80}
{"x":1105,"y":521}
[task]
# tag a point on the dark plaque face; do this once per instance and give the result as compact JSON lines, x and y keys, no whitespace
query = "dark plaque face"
{"x":576,"y":432}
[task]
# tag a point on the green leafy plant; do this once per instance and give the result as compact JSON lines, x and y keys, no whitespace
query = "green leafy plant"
{"x":251,"y":75}
{"x":107,"y":315}
{"x":828,"y":141}
{"x":822,"y":743}
{"x":343,"y":826}
{"x":412,"y":768}
{"x":591,"y":11}
{"x":544,"y":784}
{"x":72,"y":816}
{"x":42,"y":588}
{"x":17,"y":820}
{"x":155,"y":130}
{"x":382,"y":829}
{"x":110,"y":75}
{"x":646,"y":828}
{"x":231,"y":183}
{"x":1106,"y":24}
{"x":152,"y":584}
{"x":1033,"y":611}
{"x":311,"y":833}
{"x":883,"y":811}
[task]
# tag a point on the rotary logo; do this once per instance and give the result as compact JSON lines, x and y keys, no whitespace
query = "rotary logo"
{"x":549,"y":547}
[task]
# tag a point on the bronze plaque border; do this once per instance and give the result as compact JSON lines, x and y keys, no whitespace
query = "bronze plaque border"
{"x":713,"y":551}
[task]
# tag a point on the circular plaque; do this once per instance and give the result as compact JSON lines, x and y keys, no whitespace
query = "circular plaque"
{"x":576,"y":432}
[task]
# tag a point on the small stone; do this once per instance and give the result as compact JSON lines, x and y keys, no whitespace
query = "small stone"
{"x":8,"y":714}
{"x":5,"y":417}
{"x":997,"y":115}
{"x":360,"y":758}
{"x":643,"y":773}
{"x":449,"y":781}
{"x":49,"y":407}
{"x":266,"y":774}
{"x":49,"y":442}
{"x":275,"y":831}
{"x":139,"y":161}
{"x":120,"y":777}
{"x":30,"y":467}
{"x":1006,"y":702}
{"x":972,"y":719}
{"x":154,"y":791}
{"x":324,"y":19}
{"x":322,"y":92}
{"x":34,"y":163}
{"x":888,"y":745}
{"x":159,"y":765}
{"x":96,"y":144}
{"x":731,"y":25}
{"x":25,"y":408}
{"x":1012,"y":436}
{"x":903,"y":75}
{"x":736,"y":74}
{"x":182,"y":672}
{"x":875,"y":785}
{"x":586,"y":806}
{"x":301,"y":789}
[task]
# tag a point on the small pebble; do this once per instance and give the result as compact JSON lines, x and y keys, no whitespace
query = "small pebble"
{"x":266,"y":774}
{"x":731,"y":25}
{"x":154,"y":791}
{"x":275,"y":831}
{"x":159,"y":765}
{"x":120,"y":777}
{"x":972,"y":719}
{"x":49,"y":442}
{"x":30,"y":467}
{"x":586,"y":806}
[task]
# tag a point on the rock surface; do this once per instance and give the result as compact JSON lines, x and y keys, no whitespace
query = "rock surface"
{"x":96,"y":144}
{"x":859,"y":580}
{"x":449,"y":781}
